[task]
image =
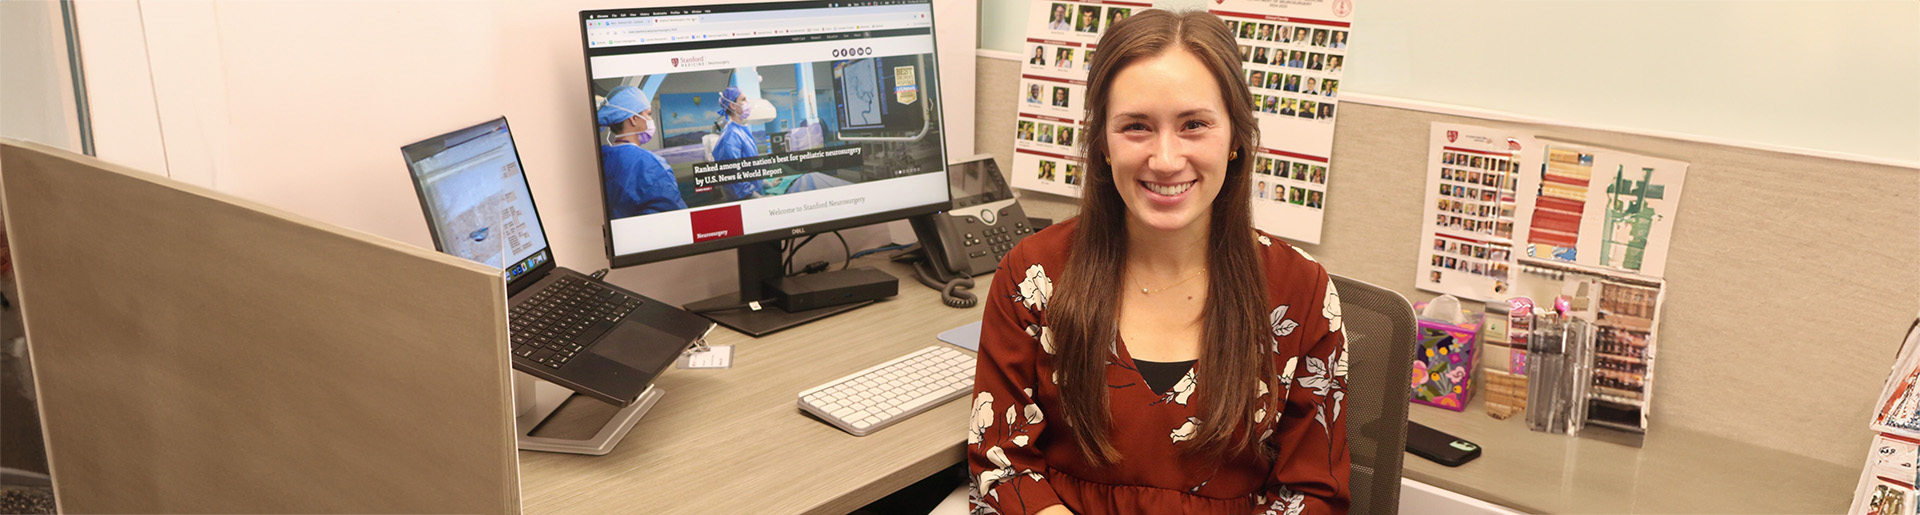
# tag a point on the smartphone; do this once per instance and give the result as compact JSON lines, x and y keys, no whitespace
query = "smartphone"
{"x":1442,"y":448}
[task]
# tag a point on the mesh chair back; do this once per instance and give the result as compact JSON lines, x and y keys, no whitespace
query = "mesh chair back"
{"x":1380,"y":340}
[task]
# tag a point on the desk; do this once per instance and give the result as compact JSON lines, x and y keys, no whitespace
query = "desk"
{"x":1678,"y":471}
{"x":734,"y":441}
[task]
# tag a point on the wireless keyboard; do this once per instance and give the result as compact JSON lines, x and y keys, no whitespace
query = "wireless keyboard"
{"x":871,"y":399}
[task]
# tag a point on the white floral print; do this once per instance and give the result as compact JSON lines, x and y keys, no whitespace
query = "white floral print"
{"x":1042,"y":334}
{"x":1181,"y":390}
{"x":982,"y":417}
{"x":1036,"y":288}
{"x":1265,"y":241}
{"x":1304,"y":254}
{"x":1322,"y":381}
{"x":1340,"y":368}
{"x":1331,"y":308}
{"x":1282,"y":325}
{"x":1319,"y":376}
{"x":1289,"y":503}
{"x":1286,"y":372}
{"x":1186,"y":431}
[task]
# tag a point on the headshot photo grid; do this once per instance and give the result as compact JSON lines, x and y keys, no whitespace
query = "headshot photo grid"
{"x":1476,"y":195}
{"x":1293,"y":55}
{"x":1059,"y":51}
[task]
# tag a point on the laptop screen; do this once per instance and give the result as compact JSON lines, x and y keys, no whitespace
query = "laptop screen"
{"x":476,"y":198}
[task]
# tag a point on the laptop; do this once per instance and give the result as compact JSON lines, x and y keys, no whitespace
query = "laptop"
{"x":576,"y":331}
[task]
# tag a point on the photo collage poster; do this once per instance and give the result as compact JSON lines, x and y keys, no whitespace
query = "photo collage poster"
{"x":1294,"y":55}
{"x":1886,"y":486}
{"x":1467,"y":231}
{"x":1600,"y":207}
{"x":1061,"y":40}
{"x":1893,"y":461}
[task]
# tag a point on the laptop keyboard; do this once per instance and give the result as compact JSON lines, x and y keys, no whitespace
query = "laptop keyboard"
{"x":558,"y":322}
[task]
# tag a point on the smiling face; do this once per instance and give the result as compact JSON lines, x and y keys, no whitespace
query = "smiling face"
{"x":1168,"y":138}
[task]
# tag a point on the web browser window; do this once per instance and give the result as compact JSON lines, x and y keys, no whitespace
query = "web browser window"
{"x":724,"y":121}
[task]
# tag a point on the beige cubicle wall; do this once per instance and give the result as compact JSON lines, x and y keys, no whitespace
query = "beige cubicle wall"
{"x":1791,"y":279}
{"x":198,"y":353}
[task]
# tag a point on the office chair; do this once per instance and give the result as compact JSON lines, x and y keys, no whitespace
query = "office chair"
{"x":1380,"y":338}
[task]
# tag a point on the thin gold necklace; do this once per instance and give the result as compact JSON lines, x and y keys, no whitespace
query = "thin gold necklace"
{"x":1145,"y":291}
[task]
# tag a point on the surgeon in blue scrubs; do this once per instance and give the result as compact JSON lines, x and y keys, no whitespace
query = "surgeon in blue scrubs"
{"x":736,"y":140}
{"x":638,"y":181}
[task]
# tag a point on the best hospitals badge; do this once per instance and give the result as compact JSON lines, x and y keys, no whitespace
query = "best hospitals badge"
{"x":906,"y":89}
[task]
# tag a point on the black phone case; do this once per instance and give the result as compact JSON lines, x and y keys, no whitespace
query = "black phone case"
{"x":1442,"y":448}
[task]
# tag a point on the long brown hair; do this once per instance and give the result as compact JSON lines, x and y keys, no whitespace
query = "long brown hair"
{"x":1086,"y":305}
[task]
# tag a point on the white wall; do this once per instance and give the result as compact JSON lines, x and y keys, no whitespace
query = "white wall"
{"x":1834,"y":77}
{"x":36,"y":89}
{"x":304,"y":105}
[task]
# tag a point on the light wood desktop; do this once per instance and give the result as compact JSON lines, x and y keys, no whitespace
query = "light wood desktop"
{"x":734,"y":441}
{"x":1678,"y":471}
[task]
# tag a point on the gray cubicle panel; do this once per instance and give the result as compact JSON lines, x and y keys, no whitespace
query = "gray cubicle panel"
{"x":1791,"y":278}
{"x":200,"y":353}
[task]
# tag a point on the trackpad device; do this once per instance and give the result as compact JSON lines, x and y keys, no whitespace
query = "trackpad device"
{"x":639,"y":346}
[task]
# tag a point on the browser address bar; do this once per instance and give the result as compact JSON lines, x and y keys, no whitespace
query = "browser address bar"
{"x":688,"y":27}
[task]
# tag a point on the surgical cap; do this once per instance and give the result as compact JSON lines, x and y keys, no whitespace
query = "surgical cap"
{"x":728,"y":97}
{"x":623,"y":103}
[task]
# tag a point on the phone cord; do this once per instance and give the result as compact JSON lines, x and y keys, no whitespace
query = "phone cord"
{"x":954,"y":293}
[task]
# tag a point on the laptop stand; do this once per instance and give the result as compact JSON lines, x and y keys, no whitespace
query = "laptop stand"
{"x":548,"y":397}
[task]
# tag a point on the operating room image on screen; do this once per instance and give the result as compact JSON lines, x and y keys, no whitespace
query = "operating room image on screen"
{"x":700,"y":138}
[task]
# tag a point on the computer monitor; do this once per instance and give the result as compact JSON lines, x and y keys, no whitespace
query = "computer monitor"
{"x":740,"y":125}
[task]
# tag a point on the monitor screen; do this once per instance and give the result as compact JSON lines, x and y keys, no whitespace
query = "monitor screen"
{"x":476,"y":198}
{"x":719,"y":126}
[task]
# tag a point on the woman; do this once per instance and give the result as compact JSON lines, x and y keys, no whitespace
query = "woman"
{"x":1065,"y":59}
{"x":1039,"y":56}
{"x":736,"y":140}
{"x":1157,"y":354}
{"x":638,"y":181}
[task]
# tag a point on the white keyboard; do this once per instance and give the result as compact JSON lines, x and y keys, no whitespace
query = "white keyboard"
{"x":865,"y":401}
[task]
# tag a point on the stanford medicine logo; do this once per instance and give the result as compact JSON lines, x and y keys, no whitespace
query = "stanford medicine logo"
{"x":1513,"y":145}
{"x":676,"y":62}
{"x":1453,"y":136}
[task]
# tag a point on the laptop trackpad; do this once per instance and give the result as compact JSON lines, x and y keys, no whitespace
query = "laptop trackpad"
{"x":639,"y":346}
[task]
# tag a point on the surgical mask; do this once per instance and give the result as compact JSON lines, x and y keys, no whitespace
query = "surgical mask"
{"x":745,"y":109}
{"x":644,"y":136}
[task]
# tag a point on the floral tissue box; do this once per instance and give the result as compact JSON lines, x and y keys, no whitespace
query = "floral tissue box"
{"x":1443,"y":363}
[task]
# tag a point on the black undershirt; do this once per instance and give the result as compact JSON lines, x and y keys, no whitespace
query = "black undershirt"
{"x":1162,"y":376}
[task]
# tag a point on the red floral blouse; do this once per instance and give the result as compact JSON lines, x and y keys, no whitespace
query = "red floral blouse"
{"x":1020,"y":466}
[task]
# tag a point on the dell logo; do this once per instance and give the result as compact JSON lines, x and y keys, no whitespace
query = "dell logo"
{"x":852,"y":52}
{"x":799,"y":230}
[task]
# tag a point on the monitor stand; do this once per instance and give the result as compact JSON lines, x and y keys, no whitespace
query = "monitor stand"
{"x":758,"y":263}
{"x":548,"y":397}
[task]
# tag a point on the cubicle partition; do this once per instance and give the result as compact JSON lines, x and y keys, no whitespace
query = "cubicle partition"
{"x":197,"y":353}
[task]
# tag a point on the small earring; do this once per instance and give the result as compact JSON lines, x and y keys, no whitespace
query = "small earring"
{"x":1234,"y":155}
{"x":1108,"y":160}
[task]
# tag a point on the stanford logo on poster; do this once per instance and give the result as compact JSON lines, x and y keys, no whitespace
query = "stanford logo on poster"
{"x":1453,"y":136}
